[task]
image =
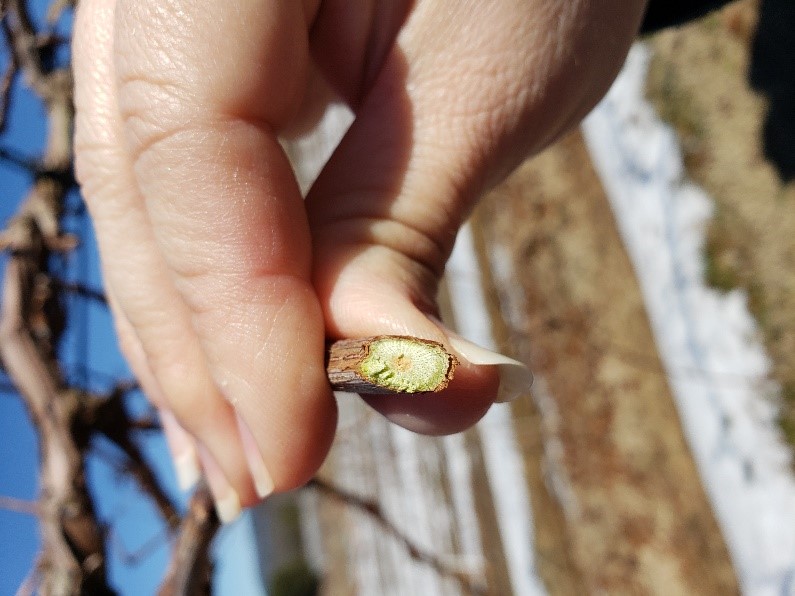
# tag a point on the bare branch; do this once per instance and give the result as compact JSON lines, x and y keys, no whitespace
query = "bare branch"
{"x":22,"y":40}
{"x":17,"y":159}
{"x":142,"y":552}
{"x":7,"y":82}
{"x":8,"y":388}
{"x":190,"y":568}
{"x":149,"y":423}
{"x":31,"y":583}
{"x":57,"y":8}
{"x":109,"y":417}
{"x":72,"y":540}
{"x":373,"y":509}
{"x":80,"y":290}
{"x":19,"y":505}
{"x":31,"y":320}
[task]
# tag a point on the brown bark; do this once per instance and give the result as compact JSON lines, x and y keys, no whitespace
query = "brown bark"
{"x":190,"y":570}
{"x":72,"y":557}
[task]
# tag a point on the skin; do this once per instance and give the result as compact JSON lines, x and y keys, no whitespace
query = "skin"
{"x":223,"y":281}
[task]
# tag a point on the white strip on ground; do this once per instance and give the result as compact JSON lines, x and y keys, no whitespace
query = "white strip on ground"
{"x":708,"y":342}
{"x":502,"y":458}
{"x":459,"y":473}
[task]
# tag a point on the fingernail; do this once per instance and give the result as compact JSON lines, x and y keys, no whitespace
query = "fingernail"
{"x":515,"y":378}
{"x":187,"y":468}
{"x":228,"y":507}
{"x":183,"y":450}
{"x":263,"y":482}
{"x":227,"y":501}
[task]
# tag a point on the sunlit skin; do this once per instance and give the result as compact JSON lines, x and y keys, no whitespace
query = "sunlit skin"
{"x":224,"y":282}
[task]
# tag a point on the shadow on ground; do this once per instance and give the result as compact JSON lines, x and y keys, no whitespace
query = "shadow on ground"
{"x":773,"y":74}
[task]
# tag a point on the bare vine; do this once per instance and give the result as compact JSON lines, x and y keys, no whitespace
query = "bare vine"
{"x":73,"y":557}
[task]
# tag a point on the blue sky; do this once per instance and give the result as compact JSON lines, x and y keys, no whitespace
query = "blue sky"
{"x":139,"y":550}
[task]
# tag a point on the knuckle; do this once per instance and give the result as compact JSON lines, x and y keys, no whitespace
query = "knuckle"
{"x":203,"y":285}
{"x":412,"y":240}
{"x":152,"y":111}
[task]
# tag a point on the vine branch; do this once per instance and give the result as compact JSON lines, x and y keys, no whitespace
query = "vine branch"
{"x":374,"y":510}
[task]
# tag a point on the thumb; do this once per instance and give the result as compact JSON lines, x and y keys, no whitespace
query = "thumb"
{"x":466,"y":92}
{"x":383,"y":223}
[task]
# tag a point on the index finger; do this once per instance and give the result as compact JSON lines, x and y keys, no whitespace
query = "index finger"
{"x":203,"y":88}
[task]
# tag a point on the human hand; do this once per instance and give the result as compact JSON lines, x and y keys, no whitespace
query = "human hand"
{"x":223,"y":282}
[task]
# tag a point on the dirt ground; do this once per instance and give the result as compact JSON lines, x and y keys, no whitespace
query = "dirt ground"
{"x":619,"y":506}
{"x":699,"y":83}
